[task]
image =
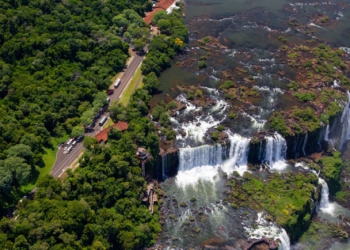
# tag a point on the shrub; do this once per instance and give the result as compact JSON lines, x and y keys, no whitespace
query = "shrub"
{"x":305,"y":97}
{"x":202,"y":64}
{"x":215,"y":136}
{"x":220,"y":128}
{"x":332,"y":166}
{"x":227,"y":84}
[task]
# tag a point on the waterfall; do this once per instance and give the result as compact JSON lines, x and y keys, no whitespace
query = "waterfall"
{"x":285,"y":242}
{"x":304,"y":144}
{"x":205,"y":155}
{"x":268,"y":229}
{"x":164,"y":166}
{"x":326,"y":134}
{"x":325,"y":205}
{"x":276,"y":151}
{"x":345,"y":124}
{"x":203,"y":162}
{"x":238,"y":154}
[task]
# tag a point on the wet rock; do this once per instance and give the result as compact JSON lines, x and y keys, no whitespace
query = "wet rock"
{"x":208,"y":247}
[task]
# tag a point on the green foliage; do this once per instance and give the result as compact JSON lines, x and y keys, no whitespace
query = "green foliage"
{"x":77,"y":131}
{"x":158,"y":16}
{"x":285,"y":197}
{"x":199,"y":93}
{"x":305,"y":97}
{"x":55,"y":60}
{"x":151,"y":82}
{"x":165,"y":46}
{"x":231,"y":115}
{"x":331,"y":170}
{"x":205,"y":40}
{"x":278,"y":123}
{"x":220,"y":128}
{"x":227,"y":85}
{"x":202,"y":64}
{"x":215,"y":136}
{"x":307,"y":118}
{"x":293,"y":86}
{"x":319,"y":234}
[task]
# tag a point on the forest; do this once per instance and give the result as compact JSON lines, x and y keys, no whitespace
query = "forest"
{"x":56,"y":63}
{"x":97,"y":206}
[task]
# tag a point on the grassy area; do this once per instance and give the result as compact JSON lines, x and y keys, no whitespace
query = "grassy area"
{"x":48,"y":161}
{"x":108,"y":123}
{"x":131,"y":87}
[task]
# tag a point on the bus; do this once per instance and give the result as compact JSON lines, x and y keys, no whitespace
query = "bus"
{"x":69,"y":142}
{"x":103,"y":120}
{"x":117,"y":83}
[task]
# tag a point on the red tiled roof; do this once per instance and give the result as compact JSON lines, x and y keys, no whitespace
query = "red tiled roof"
{"x":103,"y":135}
{"x":161,"y":5}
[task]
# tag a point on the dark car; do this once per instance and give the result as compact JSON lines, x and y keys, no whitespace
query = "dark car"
{"x":80,"y":138}
{"x":110,"y":91}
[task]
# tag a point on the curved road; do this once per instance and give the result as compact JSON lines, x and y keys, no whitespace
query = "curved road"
{"x":64,"y":160}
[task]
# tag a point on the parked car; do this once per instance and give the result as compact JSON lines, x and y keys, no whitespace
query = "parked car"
{"x":80,"y":138}
{"x":110,"y":91}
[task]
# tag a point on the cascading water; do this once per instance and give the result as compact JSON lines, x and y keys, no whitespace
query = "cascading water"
{"x":275,"y":152}
{"x":345,"y":124}
{"x":202,"y":162}
{"x":325,"y":205}
{"x":326,"y":134}
{"x":305,"y":142}
{"x":264,"y":228}
{"x":164,"y":166}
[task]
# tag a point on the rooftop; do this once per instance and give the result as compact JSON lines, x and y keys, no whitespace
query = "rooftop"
{"x":103,"y":135}
{"x":161,"y":5}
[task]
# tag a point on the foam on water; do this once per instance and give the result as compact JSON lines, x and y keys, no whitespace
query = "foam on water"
{"x":203,"y":162}
{"x":325,"y":205}
{"x":275,"y":152}
{"x":268,"y":229}
{"x":345,"y":124}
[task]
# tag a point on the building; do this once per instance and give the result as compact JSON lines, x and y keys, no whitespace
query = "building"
{"x":103,"y":135}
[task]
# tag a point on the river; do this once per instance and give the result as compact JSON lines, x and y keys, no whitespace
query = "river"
{"x":246,"y":31}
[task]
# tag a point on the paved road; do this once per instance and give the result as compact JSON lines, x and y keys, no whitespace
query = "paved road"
{"x":64,"y":160}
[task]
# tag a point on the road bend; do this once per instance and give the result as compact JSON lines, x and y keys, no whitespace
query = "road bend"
{"x":63,"y":161}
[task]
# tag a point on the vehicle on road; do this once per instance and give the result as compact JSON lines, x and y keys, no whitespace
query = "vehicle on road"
{"x":108,"y":100}
{"x":110,"y":91}
{"x":69,"y":142}
{"x":89,"y":128}
{"x":103,"y":120}
{"x":74,"y":144}
{"x":69,"y":149}
{"x":80,"y":138}
{"x":117,"y":83}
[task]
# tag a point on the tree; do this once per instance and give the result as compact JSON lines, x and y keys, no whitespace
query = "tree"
{"x":139,"y":44}
{"x":158,"y":16}
{"x":164,"y":26}
{"x":20,"y":150}
{"x":89,"y":141}
{"x":100,"y":99}
{"x":77,"y":131}
{"x":151,"y":82}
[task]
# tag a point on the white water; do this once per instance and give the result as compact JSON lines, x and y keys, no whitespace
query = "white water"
{"x":203,"y":162}
{"x":269,"y":230}
{"x":275,"y":152}
{"x":325,"y":205}
{"x":304,"y":143}
{"x":164,"y":166}
{"x":345,"y":124}
{"x":326,"y":134}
